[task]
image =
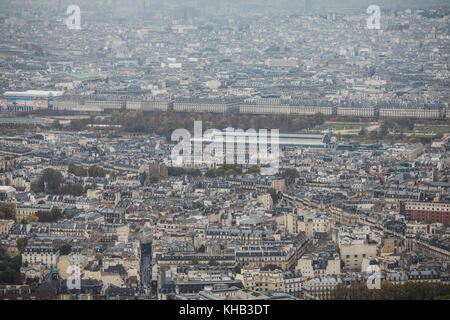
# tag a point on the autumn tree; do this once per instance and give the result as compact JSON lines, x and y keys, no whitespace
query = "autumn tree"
{"x":32,"y":218}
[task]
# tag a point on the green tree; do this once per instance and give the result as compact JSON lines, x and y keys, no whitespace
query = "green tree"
{"x":176,"y":171}
{"x":224,"y":170}
{"x":21,"y":244}
{"x":56,"y":124}
{"x":78,"y":171}
{"x":254,"y":169}
{"x":53,"y":215}
{"x":90,"y":186}
{"x":230,"y":172}
{"x":10,"y":268}
{"x":211,"y":173}
{"x":212,"y":262}
{"x":318,"y":119}
{"x":270,"y":267}
{"x":362,"y":132}
{"x":163,"y":123}
{"x":143,"y":178}
{"x":38,"y":186}
{"x":273,"y":193}
{"x":155,"y":178}
{"x":194,"y":173}
{"x":8,"y":211}
{"x":97,"y":171}
{"x":76,"y":125}
{"x":290,"y":175}
{"x":32,"y":281}
{"x":76,"y":189}
{"x":384,"y":129}
{"x":53,"y":179}
{"x":390,"y":291}
{"x":65,"y":249}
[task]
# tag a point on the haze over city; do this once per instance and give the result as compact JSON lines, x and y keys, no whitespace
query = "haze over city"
{"x":224,"y":150}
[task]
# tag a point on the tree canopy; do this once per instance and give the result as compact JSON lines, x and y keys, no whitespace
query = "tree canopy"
{"x":290,"y":175}
{"x":97,"y":171}
{"x":273,"y":193}
{"x":79,"y":171}
{"x":224,"y":170}
{"x":10,"y":268}
{"x":254,"y":169}
{"x":53,"y":215}
{"x":8,"y":211}
{"x":21,"y":244}
{"x":52,"y":178}
{"x":410,"y":290}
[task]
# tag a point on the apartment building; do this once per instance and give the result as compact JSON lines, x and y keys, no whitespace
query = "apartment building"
{"x":105,"y":104}
{"x":5,"y":225}
{"x":284,"y":109}
{"x":356,"y":112}
{"x":230,"y":235}
{"x":343,"y":214}
{"x":409,"y":113}
{"x":319,"y":288}
{"x":353,"y":253}
{"x":76,"y":106}
{"x":255,"y":279}
{"x":24,"y":210}
{"x":44,"y":255}
{"x":187,"y":259}
{"x":203,"y":105}
{"x":313,"y":223}
{"x":6,"y":192}
{"x":293,"y":282}
{"x":313,"y":267}
{"x":427,"y":211}
{"x":262,"y":256}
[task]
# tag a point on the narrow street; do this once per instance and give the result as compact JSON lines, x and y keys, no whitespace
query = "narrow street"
{"x":146,"y":269}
